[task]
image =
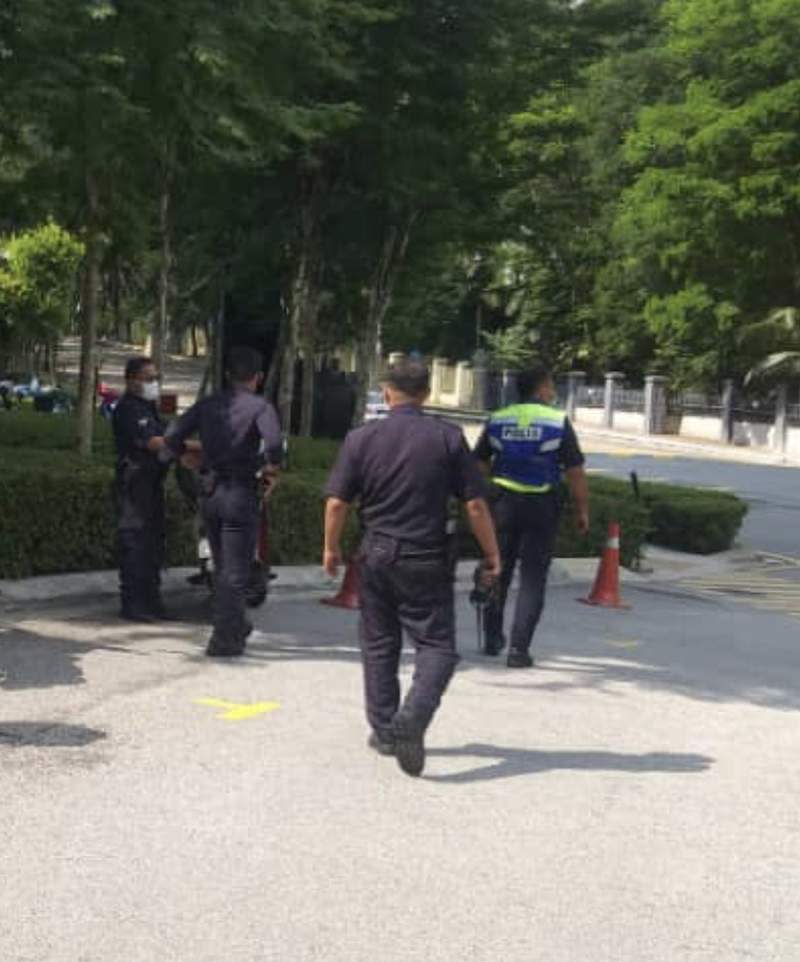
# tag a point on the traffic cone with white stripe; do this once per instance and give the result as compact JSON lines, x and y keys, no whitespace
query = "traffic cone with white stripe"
{"x":605,"y":593}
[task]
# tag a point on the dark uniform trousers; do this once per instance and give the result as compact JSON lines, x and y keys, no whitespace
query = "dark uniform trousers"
{"x":527,"y":526}
{"x":230,"y":513}
{"x":141,"y":532}
{"x":403,"y":587}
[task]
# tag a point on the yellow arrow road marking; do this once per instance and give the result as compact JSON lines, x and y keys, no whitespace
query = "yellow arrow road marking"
{"x":236,"y":712}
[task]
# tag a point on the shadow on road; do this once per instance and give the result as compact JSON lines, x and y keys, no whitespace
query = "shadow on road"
{"x":510,"y":762}
{"x":47,"y":735}
{"x":28,"y":660}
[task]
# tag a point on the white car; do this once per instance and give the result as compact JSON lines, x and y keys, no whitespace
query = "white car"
{"x":376,"y":408}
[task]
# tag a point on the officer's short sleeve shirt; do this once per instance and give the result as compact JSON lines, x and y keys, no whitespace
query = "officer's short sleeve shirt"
{"x":403,"y":471}
{"x":135,"y":422}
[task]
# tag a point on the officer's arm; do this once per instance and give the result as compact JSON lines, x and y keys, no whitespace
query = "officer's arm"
{"x":579,"y":488}
{"x":480,"y":521}
{"x":572,"y":460}
{"x":336,"y":512}
{"x":483,"y":453}
{"x":176,"y":441}
{"x":269,"y":428}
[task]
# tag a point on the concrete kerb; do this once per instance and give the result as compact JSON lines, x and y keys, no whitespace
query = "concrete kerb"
{"x":294,"y":583}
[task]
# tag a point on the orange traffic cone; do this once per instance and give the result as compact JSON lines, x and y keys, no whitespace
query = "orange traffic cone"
{"x":348,"y":593}
{"x":605,"y":593}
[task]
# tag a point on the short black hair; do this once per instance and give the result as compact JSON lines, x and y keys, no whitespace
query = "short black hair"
{"x":134,"y":365}
{"x":244,"y":363}
{"x":412,"y":378}
{"x":529,"y":381}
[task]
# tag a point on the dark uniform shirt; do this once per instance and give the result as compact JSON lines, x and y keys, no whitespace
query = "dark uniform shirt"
{"x":569,"y":454}
{"x":239,"y":431}
{"x":135,"y":421}
{"x":404,"y":470}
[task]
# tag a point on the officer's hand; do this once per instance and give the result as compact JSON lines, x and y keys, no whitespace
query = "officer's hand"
{"x":331,"y":561}
{"x":582,"y":522}
{"x":192,"y":460}
{"x":492,"y":567}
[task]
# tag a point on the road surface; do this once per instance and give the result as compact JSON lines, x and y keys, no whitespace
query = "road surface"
{"x":634,"y":798}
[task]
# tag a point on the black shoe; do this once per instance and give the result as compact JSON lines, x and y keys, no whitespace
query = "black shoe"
{"x":219,"y":649}
{"x":137,"y":615}
{"x":409,"y":745}
{"x":383,"y":745}
{"x":493,"y":646}
{"x":519,"y":659}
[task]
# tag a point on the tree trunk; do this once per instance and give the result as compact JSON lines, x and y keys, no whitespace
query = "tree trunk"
{"x":91,"y":282}
{"x":379,"y":300}
{"x":304,"y":304}
{"x":276,"y":362}
{"x":286,"y":386}
{"x":160,"y":328}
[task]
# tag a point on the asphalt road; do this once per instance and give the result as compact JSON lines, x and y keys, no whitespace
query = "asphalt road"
{"x":773,"y":492}
{"x":632,"y":800}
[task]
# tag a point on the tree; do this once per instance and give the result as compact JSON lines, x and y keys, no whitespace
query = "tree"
{"x":712,"y":221}
{"x":38,"y":276}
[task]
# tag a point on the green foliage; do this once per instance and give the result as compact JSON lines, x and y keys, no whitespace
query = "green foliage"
{"x":693,"y":520}
{"x":38,"y":271}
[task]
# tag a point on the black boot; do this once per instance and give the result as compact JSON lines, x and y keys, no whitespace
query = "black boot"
{"x":409,"y":744}
{"x":519,"y":659}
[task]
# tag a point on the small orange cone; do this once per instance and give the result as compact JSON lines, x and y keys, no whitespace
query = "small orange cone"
{"x":605,"y":593}
{"x":348,"y":593}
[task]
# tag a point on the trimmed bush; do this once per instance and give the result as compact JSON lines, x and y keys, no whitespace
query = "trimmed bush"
{"x":56,"y":513}
{"x":34,"y":430}
{"x":693,"y":519}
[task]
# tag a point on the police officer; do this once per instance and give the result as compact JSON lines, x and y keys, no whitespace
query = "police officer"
{"x":403,"y":470}
{"x":526,"y":446}
{"x":139,"y":492}
{"x":242,"y":448}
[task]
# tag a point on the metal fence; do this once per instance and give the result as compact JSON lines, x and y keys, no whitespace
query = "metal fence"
{"x":591,"y":397}
{"x":754,"y":410}
{"x":694,"y":402}
{"x":793,"y":414}
{"x":628,"y":400}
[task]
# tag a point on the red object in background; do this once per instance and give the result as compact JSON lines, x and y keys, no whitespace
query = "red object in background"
{"x":168,"y":404}
{"x":605,"y":593}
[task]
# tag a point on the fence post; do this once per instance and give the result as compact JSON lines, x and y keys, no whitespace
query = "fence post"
{"x":726,"y":414}
{"x":575,"y":381}
{"x":613,"y":378}
{"x":437,"y":365}
{"x":655,"y":404}
{"x":781,"y":418}
{"x":463,"y":385}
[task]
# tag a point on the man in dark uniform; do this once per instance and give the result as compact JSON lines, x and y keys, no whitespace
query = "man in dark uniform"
{"x":403,"y":470}
{"x":242,"y":448}
{"x":139,"y":492}
{"x":526,"y":446}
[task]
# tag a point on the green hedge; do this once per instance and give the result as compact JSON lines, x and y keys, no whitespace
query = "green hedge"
{"x":56,"y":512}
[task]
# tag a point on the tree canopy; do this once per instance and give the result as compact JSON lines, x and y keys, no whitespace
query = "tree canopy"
{"x":606,"y":184}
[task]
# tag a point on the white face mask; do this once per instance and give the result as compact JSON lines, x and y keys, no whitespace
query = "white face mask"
{"x":151,"y":391}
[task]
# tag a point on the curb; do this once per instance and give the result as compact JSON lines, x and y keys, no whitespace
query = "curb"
{"x":292,"y":582}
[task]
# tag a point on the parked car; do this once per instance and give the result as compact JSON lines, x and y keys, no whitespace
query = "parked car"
{"x":376,"y":408}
